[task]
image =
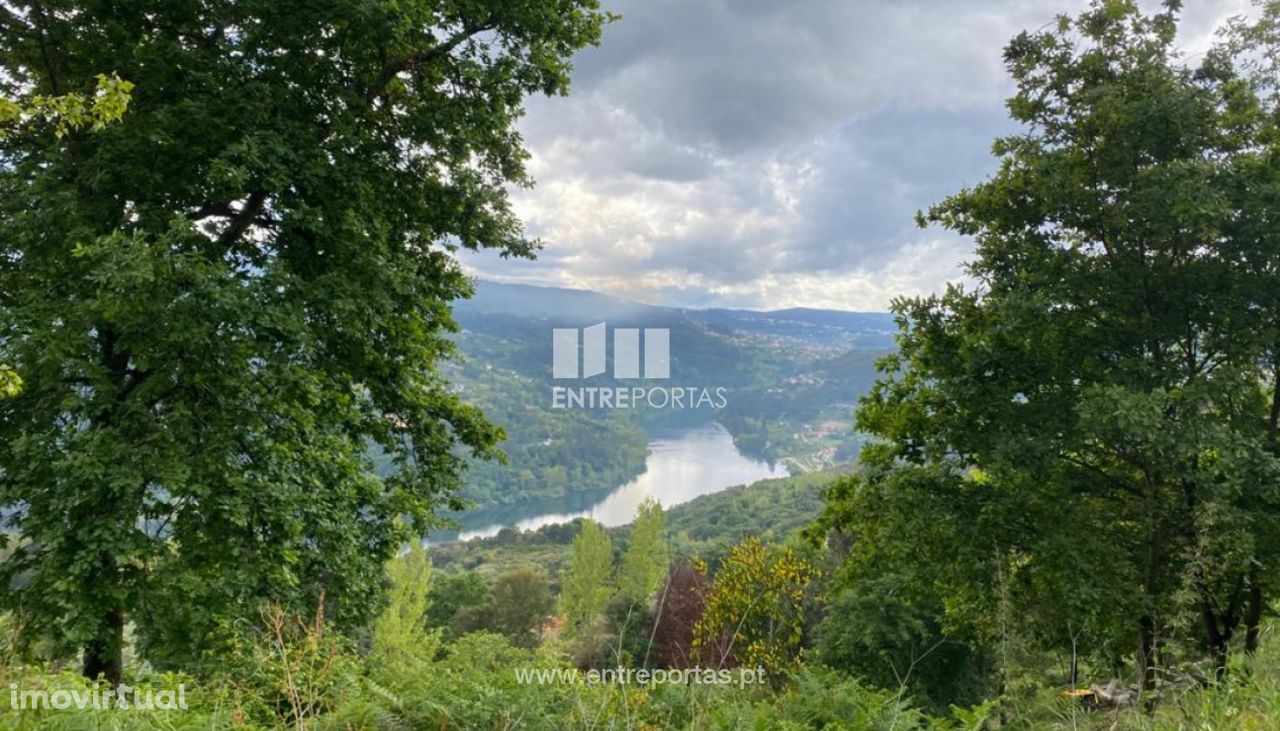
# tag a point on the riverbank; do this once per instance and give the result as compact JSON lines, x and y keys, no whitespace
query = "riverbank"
{"x":683,"y":463}
{"x":774,"y":509}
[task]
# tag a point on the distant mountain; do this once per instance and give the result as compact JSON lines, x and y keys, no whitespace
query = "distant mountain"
{"x":565,"y":307}
{"x":863,"y":329}
{"x":576,"y":308}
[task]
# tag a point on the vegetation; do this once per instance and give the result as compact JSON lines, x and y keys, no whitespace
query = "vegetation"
{"x":522,"y":601}
{"x":754,"y":613}
{"x":38,"y":113}
{"x":291,"y":672}
{"x":1080,"y":456}
{"x":645,"y":559}
{"x":216,"y":305}
{"x":588,"y":579}
{"x":226,"y":416}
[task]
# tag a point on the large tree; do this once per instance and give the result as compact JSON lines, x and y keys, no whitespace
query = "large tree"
{"x":221,"y":306}
{"x":1083,"y":443}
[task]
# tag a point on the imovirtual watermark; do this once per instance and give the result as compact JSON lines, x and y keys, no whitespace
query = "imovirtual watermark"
{"x":740,"y":677}
{"x":122,"y":698}
{"x":638,"y":354}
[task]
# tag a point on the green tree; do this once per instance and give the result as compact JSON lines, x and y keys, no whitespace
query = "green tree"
{"x":882,"y":632}
{"x":587,"y":582}
{"x":400,"y":631}
{"x":1086,"y":439}
{"x":644,"y":562}
{"x":460,"y":603}
{"x":629,"y":626}
{"x":218,"y":305}
{"x":522,"y":601}
{"x":755,"y":614}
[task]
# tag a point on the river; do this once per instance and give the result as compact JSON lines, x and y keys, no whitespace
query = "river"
{"x":683,"y":464}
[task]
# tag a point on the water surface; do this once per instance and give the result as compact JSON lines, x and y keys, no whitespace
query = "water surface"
{"x":683,"y":464}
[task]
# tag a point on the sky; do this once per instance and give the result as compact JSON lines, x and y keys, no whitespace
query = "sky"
{"x":772,"y":153}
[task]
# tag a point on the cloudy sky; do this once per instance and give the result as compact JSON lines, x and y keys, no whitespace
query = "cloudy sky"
{"x":772,"y":153}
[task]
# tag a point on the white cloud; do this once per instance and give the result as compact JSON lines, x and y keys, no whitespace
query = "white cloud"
{"x":771,"y":154}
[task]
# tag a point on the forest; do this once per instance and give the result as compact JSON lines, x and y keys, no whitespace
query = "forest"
{"x":229,"y":403}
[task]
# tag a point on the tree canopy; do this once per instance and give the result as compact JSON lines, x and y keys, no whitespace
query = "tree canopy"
{"x":1087,"y":436}
{"x":222,"y":305}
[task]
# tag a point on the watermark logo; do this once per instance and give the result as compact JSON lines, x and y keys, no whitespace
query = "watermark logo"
{"x":638,"y":354}
{"x":626,"y":352}
{"x":100,"y":699}
{"x":740,"y":677}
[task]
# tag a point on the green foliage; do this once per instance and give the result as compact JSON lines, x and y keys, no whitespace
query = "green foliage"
{"x":289,"y":668}
{"x":522,"y":602}
{"x":67,"y":112}
{"x":818,"y":699}
{"x":587,"y":582}
{"x":630,"y":624}
{"x":399,"y":633}
{"x":219,"y":304}
{"x":1084,"y":445}
{"x":460,"y":603}
{"x":881,"y":633}
{"x":516,"y":605}
{"x":473,"y":686}
{"x":755,"y":615}
{"x":10,"y":382}
{"x":645,"y":559}
{"x":774,"y":510}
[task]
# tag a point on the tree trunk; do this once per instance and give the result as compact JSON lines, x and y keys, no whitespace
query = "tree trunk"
{"x":1216,"y":638}
{"x":104,"y":655}
{"x":1146,"y":653}
{"x":1220,"y":662}
{"x":1253,"y":615}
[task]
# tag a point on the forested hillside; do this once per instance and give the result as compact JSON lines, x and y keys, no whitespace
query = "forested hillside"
{"x":775,"y":510}
{"x":792,"y":380}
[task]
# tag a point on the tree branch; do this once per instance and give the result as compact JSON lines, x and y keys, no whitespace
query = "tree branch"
{"x":242,"y":219}
{"x":15,"y":24}
{"x":440,"y":50}
{"x":41,"y":23}
{"x":224,"y":210}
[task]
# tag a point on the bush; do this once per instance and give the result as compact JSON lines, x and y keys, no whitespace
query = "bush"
{"x":291,"y":669}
